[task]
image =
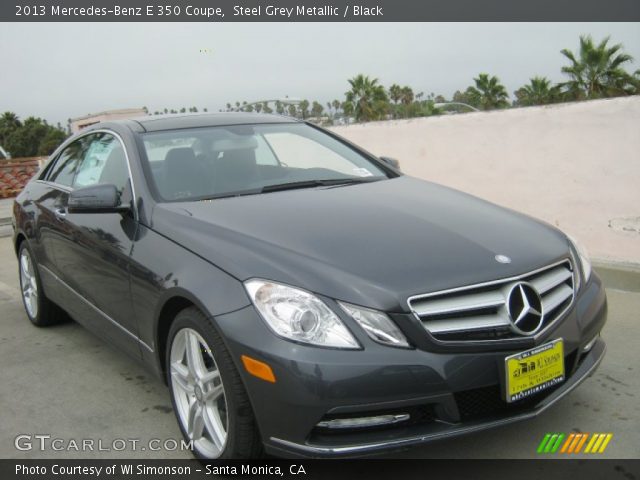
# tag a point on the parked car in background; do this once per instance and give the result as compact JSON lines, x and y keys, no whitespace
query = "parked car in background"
{"x":299,"y":295}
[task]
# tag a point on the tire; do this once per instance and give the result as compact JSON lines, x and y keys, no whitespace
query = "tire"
{"x":212,"y":409}
{"x":40,"y":310}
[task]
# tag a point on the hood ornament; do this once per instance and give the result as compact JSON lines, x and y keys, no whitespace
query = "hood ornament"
{"x":502,"y":259}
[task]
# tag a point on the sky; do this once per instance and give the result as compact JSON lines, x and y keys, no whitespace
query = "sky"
{"x":61,"y":70}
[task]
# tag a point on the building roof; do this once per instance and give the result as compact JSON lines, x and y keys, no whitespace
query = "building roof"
{"x":121,"y":111}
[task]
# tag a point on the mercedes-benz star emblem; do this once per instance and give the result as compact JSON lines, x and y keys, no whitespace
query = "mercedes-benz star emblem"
{"x":502,"y":259}
{"x":524,"y":307}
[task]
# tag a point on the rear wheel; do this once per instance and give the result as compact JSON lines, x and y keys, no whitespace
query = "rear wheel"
{"x":39,"y":309}
{"x":208,"y":396}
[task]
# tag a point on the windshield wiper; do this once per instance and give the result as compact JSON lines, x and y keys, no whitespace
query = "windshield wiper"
{"x":316,"y":183}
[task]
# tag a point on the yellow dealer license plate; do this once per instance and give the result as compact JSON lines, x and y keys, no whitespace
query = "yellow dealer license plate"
{"x":534,"y":370}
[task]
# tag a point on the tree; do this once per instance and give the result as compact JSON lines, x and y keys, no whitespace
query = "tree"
{"x":316,"y":109}
{"x":367,"y":98}
{"x":9,"y":122}
{"x":336,"y":106}
{"x":407,"y":97}
{"x":279,"y":107}
{"x":347,"y":108}
{"x":30,"y":138}
{"x":266,"y":108}
{"x":538,"y":91}
{"x":304,"y":108}
{"x":52,"y":139}
{"x":258,"y":107}
{"x":635,"y":82}
{"x":597,"y":70}
{"x":395,"y":93}
{"x":292,"y":110}
{"x":488,"y":93}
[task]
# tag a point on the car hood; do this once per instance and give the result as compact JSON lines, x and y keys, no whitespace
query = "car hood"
{"x":371,"y":244}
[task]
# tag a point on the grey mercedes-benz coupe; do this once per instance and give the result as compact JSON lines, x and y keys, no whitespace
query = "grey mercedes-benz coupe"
{"x":300,"y":296}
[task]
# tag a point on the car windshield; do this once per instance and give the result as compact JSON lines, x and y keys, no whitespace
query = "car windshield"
{"x":202,"y":163}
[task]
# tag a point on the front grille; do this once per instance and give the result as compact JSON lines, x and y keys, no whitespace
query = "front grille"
{"x":482,"y":403}
{"x":479,"y":312}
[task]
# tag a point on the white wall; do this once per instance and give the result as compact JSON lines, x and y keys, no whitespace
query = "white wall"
{"x":576,"y":166}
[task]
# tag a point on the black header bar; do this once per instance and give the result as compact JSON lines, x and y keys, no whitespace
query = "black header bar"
{"x":320,"y":11}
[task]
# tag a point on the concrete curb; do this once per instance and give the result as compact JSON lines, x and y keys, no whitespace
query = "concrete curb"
{"x":618,"y":275}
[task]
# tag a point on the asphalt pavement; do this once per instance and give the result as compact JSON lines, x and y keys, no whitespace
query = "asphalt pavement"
{"x":68,"y":384}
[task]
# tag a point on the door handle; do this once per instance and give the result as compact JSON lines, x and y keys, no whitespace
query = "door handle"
{"x":60,"y":213}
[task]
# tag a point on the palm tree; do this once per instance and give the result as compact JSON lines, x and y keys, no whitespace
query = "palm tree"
{"x":367,"y":97}
{"x":407,"y":95}
{"x":395,"y":93}
{"x":316,"y":109}
{"x":304,"y":108}
{"x":538,"y":91}
{"x":635,"y":82}
{"x":488,"y":93}
{"x":597,"y":70}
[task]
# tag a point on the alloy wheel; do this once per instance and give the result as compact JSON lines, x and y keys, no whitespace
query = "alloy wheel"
{"x":28,"y":284}
{"x":198,"y":393}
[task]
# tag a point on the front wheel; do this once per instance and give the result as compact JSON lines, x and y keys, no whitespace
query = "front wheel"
{"x":40,"y":310}
{"x":208,"y":396}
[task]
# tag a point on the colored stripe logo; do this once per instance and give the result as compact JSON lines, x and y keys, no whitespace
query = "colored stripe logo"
{"x":574,"y":443}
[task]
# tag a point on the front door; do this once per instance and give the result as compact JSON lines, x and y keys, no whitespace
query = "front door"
{"x":91,"y":250}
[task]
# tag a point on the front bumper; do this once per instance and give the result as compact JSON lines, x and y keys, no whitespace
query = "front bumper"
{"x":452,"y":393}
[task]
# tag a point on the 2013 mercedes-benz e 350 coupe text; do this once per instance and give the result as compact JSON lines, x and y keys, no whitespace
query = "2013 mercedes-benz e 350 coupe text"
{"x":300,"y":296}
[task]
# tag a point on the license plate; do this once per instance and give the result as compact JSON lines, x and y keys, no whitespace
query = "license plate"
{"x":534,"y":370}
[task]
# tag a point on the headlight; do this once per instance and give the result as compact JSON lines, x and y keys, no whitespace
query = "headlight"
{"x":585,"y":263}
{"x":298,"y":315}
{"x":378,"y":325}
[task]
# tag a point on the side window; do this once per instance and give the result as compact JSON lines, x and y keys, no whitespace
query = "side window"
{"x":104,"y":161}
{"x":66,"y":165}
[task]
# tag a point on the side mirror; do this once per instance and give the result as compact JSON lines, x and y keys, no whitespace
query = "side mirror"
{"x":101,"y":198}
{"x":391,"y":162}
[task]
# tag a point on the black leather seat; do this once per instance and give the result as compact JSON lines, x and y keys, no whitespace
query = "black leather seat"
{"x":183,"y":175}
{"x":236,"y":170}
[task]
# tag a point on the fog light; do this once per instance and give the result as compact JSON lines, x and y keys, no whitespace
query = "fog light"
{"x":590,"y":344}
{"x":361,"y":422}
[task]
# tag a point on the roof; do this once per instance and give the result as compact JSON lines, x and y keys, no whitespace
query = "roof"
{"x":154,"y":123}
